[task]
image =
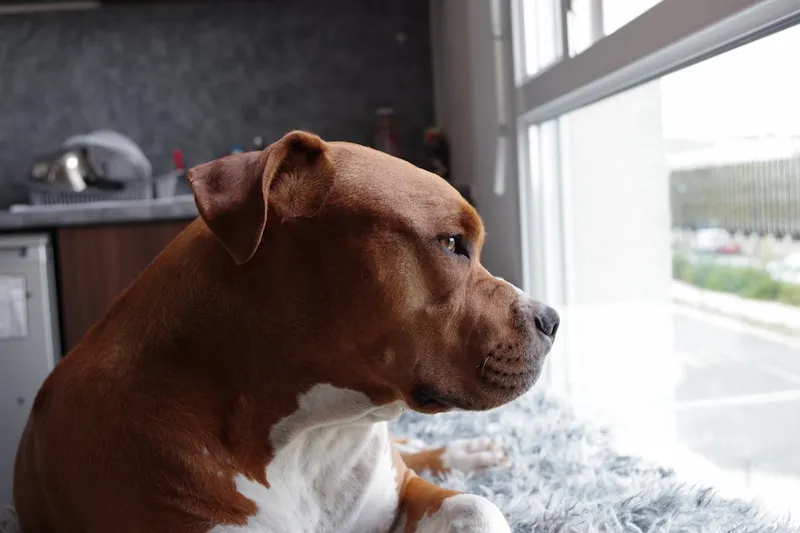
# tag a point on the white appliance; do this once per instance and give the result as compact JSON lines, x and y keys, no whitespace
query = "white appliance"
{"x":29,"y":347}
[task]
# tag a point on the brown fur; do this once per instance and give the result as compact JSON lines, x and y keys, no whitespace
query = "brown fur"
{"x":421,"y":498}
{"x":250,"y":306}
{"x":418,"y":497}
{"x":430,"y":460}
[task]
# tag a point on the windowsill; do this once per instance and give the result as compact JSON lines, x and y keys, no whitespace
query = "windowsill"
{"x":776,"y":494}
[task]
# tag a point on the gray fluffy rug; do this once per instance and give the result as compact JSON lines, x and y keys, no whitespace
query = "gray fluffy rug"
{"x":565,"y":477}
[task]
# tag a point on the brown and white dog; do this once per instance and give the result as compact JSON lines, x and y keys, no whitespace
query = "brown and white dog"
{"x":244,"y":381}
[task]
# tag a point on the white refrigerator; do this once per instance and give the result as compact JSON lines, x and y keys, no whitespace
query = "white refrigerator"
{"x":29,"y":347}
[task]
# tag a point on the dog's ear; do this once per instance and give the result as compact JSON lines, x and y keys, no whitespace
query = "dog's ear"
{"x":290,"y":178}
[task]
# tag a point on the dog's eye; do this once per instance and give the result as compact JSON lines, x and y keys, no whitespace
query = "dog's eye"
{"x":449,"y":243}
{"x":454,"y":244}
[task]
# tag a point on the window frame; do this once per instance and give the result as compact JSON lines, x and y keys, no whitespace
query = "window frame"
{"x":671,"y":35}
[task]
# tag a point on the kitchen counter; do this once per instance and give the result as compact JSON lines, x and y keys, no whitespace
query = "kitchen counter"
{"x":116,"y":212}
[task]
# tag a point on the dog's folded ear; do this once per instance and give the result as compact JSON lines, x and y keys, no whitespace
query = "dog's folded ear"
{"x":289,"y":179}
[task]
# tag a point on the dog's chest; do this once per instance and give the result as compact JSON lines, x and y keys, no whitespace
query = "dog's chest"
{"x":329,"y":480}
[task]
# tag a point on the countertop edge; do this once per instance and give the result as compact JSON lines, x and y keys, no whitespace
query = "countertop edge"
{"x":136,"y":211}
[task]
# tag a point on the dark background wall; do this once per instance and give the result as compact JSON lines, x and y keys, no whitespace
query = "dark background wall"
{"x":204,"y":77}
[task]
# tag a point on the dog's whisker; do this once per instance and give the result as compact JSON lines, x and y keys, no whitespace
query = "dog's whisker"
{"x":483,"y":366}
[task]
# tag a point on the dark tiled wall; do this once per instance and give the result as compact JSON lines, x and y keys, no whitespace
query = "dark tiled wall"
{"x":203,"y":77}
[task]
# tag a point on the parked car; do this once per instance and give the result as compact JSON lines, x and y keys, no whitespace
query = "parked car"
{"x":715,"y":241}
{"x":787,"y":269}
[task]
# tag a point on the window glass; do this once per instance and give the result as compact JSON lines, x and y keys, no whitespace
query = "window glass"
{"x":680,"y":248}
{"x":590,"y":20}
{"x":540,"y":19}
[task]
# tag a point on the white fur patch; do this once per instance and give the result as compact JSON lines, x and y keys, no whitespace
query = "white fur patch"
{"x":465,"y":513}
{"x":332,"y":472}
{"x":473,"y":454}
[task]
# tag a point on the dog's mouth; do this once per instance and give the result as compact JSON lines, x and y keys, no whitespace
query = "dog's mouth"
{"x":511,"y":379}
{"x":502,"y":376}
{"x":428,"y":399}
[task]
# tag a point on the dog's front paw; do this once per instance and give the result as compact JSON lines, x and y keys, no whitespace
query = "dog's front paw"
{"x":410,"y":445}
{"x":465,"y":513}
{"x":473,"y":454}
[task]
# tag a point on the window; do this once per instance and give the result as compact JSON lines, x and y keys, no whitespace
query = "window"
{"x":587,"y":22}
{"x":667,"y":227}
{"x":617,"y":13}
{"x":540,"y":19}
{"x":591,"y":20}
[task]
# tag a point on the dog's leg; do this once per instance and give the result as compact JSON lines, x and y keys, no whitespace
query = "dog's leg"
{"x":466,"y":455}
{"x":428,"y":508}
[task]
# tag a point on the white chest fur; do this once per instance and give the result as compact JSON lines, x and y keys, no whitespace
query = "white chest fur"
{"x":332,"y":472}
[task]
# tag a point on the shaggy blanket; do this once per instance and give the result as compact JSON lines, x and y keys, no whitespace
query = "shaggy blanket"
{"x":566,"y":477}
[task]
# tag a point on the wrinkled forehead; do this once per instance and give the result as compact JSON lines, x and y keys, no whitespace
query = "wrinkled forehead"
{"x":370,"y":181}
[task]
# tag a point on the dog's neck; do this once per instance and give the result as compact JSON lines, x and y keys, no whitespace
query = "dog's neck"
{"x":181,"y":328}
{"x":327,"y":407}
{"x":192,"y":298}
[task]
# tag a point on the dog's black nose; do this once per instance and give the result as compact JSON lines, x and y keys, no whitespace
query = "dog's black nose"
{"x":547,"y":320}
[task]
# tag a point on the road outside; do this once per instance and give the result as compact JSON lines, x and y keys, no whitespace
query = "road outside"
{"x":739,"y":398}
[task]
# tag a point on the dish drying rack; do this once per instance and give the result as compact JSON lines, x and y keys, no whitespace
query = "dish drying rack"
{"x":162,"y":186}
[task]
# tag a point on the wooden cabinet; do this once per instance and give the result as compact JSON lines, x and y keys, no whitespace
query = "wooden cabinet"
{"x":96,"y":263}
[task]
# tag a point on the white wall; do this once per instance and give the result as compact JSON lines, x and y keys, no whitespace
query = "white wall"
{"x":465,"y":98}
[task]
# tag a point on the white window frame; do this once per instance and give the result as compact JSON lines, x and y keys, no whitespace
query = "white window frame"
{"x":669,"y":36}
